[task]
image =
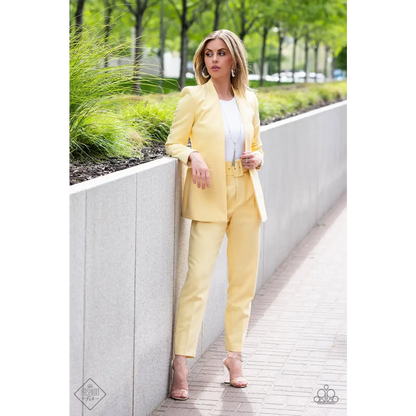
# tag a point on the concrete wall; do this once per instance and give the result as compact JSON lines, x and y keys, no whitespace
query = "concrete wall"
{"x":128,"y":257}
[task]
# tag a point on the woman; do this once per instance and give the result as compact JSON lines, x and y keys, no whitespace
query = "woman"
{"x":221,"y":117}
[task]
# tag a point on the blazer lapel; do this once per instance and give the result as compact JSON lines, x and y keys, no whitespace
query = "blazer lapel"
{"x":242,"y":106}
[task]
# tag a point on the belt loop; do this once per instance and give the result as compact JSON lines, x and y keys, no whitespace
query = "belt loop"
{"x":239,"y":168}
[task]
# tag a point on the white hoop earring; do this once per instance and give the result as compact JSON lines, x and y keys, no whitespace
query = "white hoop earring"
{"x":202,"y":72}
{"x":232,"y":72}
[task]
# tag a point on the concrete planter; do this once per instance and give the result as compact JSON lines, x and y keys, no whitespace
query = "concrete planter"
{"x":128,"y":257}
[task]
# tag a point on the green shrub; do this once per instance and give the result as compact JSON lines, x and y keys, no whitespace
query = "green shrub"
{"x":152,"y":120}
{"x":97,"y":131}
{"x":282,"y":101}
{"x":105,"y":121}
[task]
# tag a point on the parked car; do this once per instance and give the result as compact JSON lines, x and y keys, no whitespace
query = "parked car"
{"x":273,"y":77}
{"x":286,"y":76}
{"x":318,"y":77}
{"x":339,"y":74}
{"x":300,"y":76}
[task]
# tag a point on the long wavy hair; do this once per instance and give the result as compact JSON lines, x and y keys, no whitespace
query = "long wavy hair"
{"x":238,"y":53}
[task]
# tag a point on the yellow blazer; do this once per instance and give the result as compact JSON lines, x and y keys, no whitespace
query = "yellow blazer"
{"x":198,"y":115}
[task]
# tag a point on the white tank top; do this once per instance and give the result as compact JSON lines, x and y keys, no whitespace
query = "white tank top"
{"x":231,"y":114}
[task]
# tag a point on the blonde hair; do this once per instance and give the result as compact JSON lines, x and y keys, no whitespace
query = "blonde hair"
{"x":239,"y":56}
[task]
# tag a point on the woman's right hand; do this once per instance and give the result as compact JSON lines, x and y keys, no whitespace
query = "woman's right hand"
{"x":200,"y":171}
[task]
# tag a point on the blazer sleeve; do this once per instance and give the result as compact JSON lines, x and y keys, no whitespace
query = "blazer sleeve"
{"x":183,"y":120}
{"x":256,"y":146}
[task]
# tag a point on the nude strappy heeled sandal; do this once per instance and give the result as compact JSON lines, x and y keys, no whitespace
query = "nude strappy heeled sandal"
{"x":181,"y":391}
{"x":241,"y":380}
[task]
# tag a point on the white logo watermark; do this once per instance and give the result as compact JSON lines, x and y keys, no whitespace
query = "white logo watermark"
{"x":90,"y":394}
{"x":325,"y":396}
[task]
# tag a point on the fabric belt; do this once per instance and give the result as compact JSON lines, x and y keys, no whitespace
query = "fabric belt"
{"x":237,"y":170}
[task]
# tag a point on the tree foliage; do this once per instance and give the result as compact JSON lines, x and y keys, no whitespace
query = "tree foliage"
{"x":320,"y":23}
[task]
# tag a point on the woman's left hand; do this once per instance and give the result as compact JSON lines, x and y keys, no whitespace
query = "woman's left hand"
{"x":253,"y":159}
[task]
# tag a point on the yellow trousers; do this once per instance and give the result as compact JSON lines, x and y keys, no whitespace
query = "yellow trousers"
{"x":243,"y":234}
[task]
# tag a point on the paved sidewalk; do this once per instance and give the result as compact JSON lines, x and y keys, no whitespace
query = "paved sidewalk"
{"x":296,"y":341}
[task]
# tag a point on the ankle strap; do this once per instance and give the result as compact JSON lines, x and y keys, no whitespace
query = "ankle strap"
{"x":179,"y":359}
{"x":236,"y":355}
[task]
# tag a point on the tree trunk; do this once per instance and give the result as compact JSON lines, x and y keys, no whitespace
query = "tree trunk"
{"x":137,"y":57}
{"x":184,"y":54}
{"x":306,"y":57}
{"x":243,"y":24}
{"x":316,"y":61}
{"x":263,"y":53}
{"x":107,"y":22}
{"x":162,"y":47}
{"x":295,"y":42}
{"x":79,"y":16}
{"x":138,"y":14}
{"x":326,"y":61}
{"x":279,"y":55}
{"x":217,"y":14}
{"x":184,"y":44}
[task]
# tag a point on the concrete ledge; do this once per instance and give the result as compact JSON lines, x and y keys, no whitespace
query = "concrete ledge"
{"x":128,"y":256}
